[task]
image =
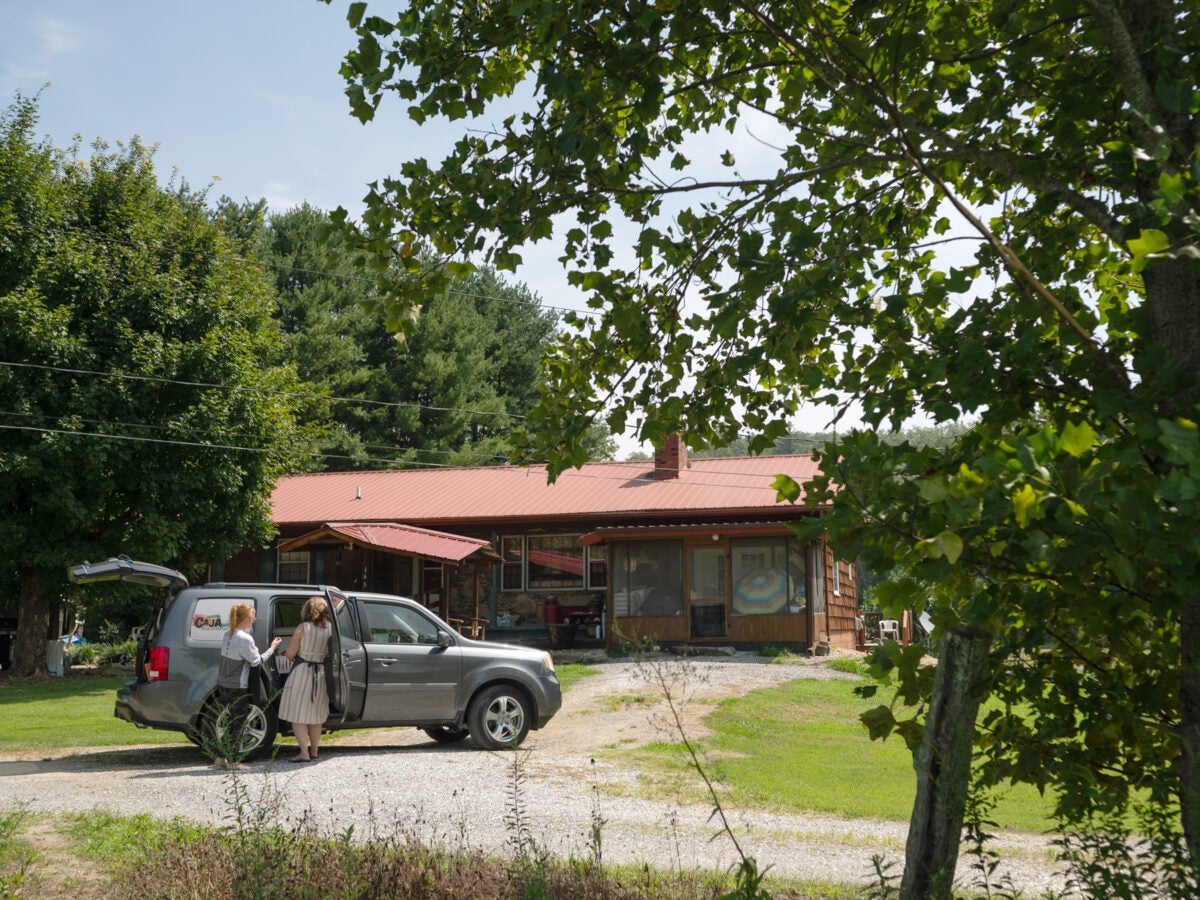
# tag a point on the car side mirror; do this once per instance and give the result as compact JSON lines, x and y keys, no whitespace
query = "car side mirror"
{"x":443,"y":639}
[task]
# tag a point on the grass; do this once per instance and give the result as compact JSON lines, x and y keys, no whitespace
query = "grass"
{"x":141,"y":857}
{"x":34,"y":713}
{"x":73,"y":711}
{"x":790,"y":748}
{"x":800,"y":747}
{"x":573,"y":673}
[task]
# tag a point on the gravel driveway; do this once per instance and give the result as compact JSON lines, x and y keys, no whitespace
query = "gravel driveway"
{"x":458,"y":796}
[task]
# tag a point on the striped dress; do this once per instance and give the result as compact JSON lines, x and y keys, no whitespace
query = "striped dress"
{"x":305,"y":697}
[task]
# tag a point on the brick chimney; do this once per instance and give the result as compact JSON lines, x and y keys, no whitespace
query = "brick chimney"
{"x":671,"y":458}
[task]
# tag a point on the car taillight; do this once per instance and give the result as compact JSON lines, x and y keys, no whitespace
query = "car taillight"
{"x":158,"y":664}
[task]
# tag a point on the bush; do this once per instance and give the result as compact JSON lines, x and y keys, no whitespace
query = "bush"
{"x":122,"y":654}
{"x":84,"y":654}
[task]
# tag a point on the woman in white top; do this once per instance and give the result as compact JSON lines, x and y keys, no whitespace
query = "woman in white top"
{"x":238,"y":654}
{"x":305,"y":701}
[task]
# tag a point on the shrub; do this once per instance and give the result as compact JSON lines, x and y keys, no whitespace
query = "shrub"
{"x":84,"y":654}
{"x":122,"y":654}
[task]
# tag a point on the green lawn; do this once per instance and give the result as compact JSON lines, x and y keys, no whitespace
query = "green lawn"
{"x":72,"y":711}
{"x":800,"y":747}
{"x":790,"y":748}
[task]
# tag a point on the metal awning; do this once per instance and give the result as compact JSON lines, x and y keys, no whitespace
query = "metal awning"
{"x":390,"y":537}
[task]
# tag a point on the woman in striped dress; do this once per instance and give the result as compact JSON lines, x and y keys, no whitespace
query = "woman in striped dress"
{"x":305,"y":700}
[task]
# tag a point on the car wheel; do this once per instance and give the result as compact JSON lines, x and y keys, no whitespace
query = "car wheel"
{"x":444,"y":734}
{"x":499,"y":717}
{"x":262,"y":726}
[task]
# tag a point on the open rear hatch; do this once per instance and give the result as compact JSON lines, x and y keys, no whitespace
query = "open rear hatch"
{"x":121,"y":568}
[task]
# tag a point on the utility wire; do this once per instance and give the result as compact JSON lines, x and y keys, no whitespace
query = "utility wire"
{"x":293,"y":394}
{"x":756,"y":483}
{"x":317,"y":440}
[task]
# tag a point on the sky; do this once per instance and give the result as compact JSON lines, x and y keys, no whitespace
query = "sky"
{"x":240,"y":96}
{"x":243,"y":95}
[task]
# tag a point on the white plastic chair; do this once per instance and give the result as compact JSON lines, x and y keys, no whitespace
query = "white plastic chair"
{"x":889,"y":629}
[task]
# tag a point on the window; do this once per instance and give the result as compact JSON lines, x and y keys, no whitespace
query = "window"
{"x":647,"y":578}
{"x":545,"y":562}
{"x":837,"y":580}
{"x":512,"y":575}
{"x":761,"y":582}
{"x":293,"y":567}
{"x":386,"y":623}
{"x":554,"y":561}
{"x":708,"y":574}
{"x":597,"y":567}
{"x":818,"y":579}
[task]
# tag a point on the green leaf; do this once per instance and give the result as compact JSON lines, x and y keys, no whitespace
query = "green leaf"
{"x":950,"y":545}
{"x":1078,"y":439}
{"x":879,"y":722}
{"x":1025,"y":504}
{"x":786,"y":488}
{"x":1149,"y":241}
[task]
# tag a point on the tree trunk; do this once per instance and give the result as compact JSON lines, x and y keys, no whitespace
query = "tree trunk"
{"x":943,"y":765}
{"x":1189,"y":728}
{"x":1173,"y":306}
{"x":33,"y":618}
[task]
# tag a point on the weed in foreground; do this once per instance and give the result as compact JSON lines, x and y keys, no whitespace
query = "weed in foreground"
{"x":673,"y":679}
{"x":15,"y":858}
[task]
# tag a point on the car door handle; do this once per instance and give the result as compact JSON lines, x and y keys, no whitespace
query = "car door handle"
{"x":386,"y":659}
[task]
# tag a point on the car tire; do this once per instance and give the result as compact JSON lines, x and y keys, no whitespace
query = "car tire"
{"x":262,"y":727}
{"x":444,"y":734}
{"x":499,"y":717}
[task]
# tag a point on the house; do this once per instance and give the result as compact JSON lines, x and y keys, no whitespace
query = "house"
{"x":676,"y":550}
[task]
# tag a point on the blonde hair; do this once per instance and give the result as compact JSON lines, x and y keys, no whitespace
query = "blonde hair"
{"x":316,"y":610}
{"x":238,"y":615}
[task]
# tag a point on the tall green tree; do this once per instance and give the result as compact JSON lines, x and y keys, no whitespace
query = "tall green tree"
{"x":146,"y":400}
{"x":455,"y":391}
{"x":982,"y":210}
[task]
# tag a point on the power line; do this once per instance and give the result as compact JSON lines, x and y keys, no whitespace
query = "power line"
{"x":269,"y":391}
{"x":317,"y":440}
{"x":388,"y":462}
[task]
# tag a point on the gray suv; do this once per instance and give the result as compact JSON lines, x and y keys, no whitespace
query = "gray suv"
{"x":392,"y":663}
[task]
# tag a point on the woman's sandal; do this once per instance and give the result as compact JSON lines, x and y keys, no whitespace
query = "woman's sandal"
{"x":299,"y":759}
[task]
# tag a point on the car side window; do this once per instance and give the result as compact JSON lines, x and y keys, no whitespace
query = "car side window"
{"x":341,"y":615}
{"x":388,"y":623}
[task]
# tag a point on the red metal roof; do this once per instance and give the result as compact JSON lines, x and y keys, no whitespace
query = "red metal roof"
{"x":450,"y":548}
{"x":620,"y":491}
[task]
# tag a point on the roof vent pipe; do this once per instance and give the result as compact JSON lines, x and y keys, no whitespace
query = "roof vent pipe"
{"x":358,"y":493}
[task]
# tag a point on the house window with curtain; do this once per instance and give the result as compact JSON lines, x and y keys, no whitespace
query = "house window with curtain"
{"x":762,"y":583}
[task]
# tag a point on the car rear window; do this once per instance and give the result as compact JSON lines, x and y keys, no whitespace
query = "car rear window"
{"x":210,"y":619}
